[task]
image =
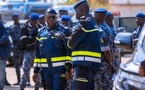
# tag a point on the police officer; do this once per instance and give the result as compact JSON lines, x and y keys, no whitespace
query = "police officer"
{"x":103,"y":77}
{"x":109,"y":21}
{"x":14,"y":31}
{"x":4,"y":53}
{"x":86,"y":51}
{"x":140,"y":20}
{"x":63,"y":12}
{"x":66,"y":22}
{"x":27,"y":44}
{"x":52,"y":53}
{"x":41,"y":20}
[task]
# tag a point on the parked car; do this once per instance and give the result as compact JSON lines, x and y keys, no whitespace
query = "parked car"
{"x":128,"y":75}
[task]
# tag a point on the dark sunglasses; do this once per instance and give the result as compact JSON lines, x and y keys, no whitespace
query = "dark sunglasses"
{"x":51,"y":17}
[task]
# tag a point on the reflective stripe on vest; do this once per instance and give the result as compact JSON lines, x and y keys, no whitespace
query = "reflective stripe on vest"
{"x":54,"y":59}
{"x":53,"y":64}
{"x":37,"y":60}
{"x":56,"y":64}
{"x":86,"y":53}
{"x":81,"y":80}
{"x":92,"y":30}
{"x":68,"y":44}
{"x":37,"y":65}
{"x":59,"y":59}
{"x":44,"y":65}
{"x":85,"y":58}
{"x":43,"y":38}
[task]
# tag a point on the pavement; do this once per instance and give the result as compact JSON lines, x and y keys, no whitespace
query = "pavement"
{"x":11,"y":76}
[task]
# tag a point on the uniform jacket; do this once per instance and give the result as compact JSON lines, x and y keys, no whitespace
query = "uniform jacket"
{"x":85,"y":44}
{"x":4,"y":43}
{"x":51,"y":51}
{"x":31,"y":32}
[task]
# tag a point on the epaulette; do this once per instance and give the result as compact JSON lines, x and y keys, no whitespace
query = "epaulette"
{"x":42,"y":28}
{"x":100,"y":30}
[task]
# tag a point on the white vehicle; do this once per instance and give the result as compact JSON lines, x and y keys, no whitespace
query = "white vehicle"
{"x":128,"y":75}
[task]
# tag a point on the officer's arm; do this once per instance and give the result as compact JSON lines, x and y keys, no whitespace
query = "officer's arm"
{"x":105,"y":48}
{"x":24,"y":31}
{"x":37,"y":58}
{"x":5,"y":35}
{"x":108,"y":56}
{"x":78,"y":35}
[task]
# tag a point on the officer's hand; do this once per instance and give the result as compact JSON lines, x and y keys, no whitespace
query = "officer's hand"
{"x":60,"y":35}
{"x":35,"y":77}
{"x":113,"y":70}
{"x":68,"y":75}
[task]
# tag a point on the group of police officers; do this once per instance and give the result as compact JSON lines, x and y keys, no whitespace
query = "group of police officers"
{"x":66,"y":56}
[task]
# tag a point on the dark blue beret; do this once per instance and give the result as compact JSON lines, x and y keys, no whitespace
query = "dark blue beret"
{"x":41,"y":15}
{"x":141,"y":15}
{"x":65,"y":18}
{"x":15,"y":15}
{"x":142,"y":63}
{"x":34,"y":16}
{"x":80,"y":2}
{"x":51,"y":10}
{"x":108,"y":14}
{"x":100,"y":10}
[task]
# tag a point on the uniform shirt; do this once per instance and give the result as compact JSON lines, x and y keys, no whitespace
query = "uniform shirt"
{"x":105,"y":37}
{"x":137,"y":32}
{"x":113,"y":33}
{"x":31,"y":32}
{"x":15,"y":31}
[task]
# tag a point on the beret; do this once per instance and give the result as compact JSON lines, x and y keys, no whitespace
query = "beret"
{"x":143,"y":63}
{"x":51,"y":10}
{"x":41,"y":15}
{"x":34,"y":16}
{"x":141,"y":15}
{"x":100,"y":10}
{"x":108,"y":14}
{"x":15,"y":15}
{"x":65,"y":18}
{"x":79,"y":3}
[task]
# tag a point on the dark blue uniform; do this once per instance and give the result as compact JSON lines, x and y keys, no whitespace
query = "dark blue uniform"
{"x":51,"y":55}
{"x":15,"y":33}
{"x":104,"y":76}
{"x":4,"y":53}
{"x":86,"y":54}
{"x":30,"y":32}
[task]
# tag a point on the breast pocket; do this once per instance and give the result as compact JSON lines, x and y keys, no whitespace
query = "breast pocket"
{"x":58,"y":43}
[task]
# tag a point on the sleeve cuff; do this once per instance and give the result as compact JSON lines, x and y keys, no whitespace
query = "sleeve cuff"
{"x":105,"y":48}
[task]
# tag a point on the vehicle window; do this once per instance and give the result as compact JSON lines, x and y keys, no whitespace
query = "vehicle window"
{"x":128,"y":22}
{"x":12,"y":7}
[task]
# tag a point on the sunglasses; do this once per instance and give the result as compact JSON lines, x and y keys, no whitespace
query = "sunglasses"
{"x":51,"y":17}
